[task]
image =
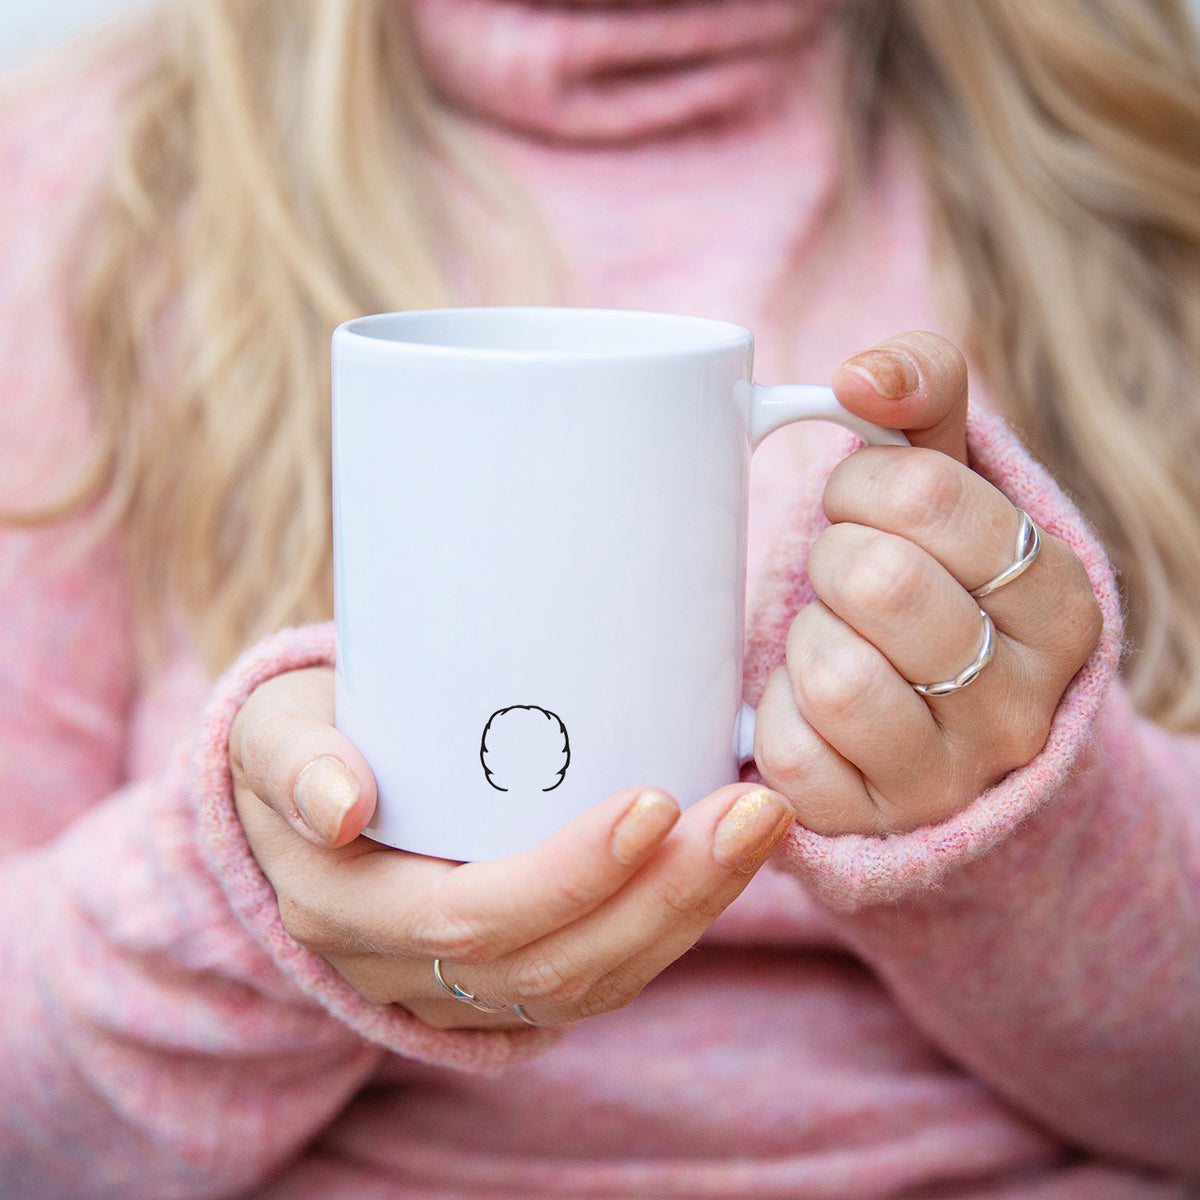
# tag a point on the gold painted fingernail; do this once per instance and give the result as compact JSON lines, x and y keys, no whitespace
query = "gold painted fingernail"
{"x":892,"y":373}
{"x":645,"y":823}
{"x":325,"y":792}
{"x":750,"y":830}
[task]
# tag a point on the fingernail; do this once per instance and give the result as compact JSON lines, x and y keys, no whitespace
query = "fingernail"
{"x":325,"y":792}
{"x":646,"y":822}
{"x":892,"y":373}
{"x":750,"y":830}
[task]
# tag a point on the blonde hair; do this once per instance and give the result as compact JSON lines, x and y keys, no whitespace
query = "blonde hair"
{"x":1061,"y":146}
{"x":282,"y":168}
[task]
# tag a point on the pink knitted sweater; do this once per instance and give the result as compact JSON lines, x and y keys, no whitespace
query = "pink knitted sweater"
{"x":1005,"y":1005}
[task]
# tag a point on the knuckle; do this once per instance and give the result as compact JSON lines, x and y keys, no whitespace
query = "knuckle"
{"x":615,"y":990}
{"x":551,"y":980}
{"x":446,"y":926}
{"x":924,"y":494}
{"x":458,"y":940}
{"x":784,"y":757}
{"x":574,"y":893}
{"x":832,"y":684}
{"x":676,"y":897}
{"x":268,"y":720}
{"x":255,"y":739}
{"x":263,"y":744}
{"x":688,"y":905}
{"x":885,"y":574}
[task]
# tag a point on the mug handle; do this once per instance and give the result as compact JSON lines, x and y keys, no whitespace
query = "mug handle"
{"x":770,"y":407}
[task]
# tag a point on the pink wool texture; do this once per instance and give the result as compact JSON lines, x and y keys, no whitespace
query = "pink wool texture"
{"x":228,"y":854}
{"x":852,"y":871}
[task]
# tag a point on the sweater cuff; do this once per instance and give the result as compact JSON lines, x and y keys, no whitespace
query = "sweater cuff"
{"x":224,"y":849}
{"x":853,"y":871}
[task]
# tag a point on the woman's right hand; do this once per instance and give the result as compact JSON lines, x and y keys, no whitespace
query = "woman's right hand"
{"x":577,"y":926}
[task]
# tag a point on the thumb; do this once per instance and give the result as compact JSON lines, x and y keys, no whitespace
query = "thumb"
{"x":284,"y":749}
{"x":916,"y":382}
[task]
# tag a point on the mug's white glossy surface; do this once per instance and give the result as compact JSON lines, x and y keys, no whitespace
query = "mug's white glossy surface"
{"x":539,"y":530}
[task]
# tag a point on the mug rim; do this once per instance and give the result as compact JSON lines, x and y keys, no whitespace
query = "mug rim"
{"x":709,"y":334}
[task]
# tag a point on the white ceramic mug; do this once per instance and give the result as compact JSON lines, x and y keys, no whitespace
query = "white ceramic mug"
{"x":540,"y":556}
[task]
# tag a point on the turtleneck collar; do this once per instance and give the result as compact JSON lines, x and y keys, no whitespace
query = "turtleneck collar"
{"x":685,"y":155}
{"x":597,"y":72}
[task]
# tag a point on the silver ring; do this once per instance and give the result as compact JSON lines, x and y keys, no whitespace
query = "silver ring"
{"x":969,"y":673}
{"x":461,"y":993}
{"x":524,"y":1015}
{"x":1029,"y":542}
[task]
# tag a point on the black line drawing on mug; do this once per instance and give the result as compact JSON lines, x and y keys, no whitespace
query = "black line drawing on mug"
{"x":523,"y":746}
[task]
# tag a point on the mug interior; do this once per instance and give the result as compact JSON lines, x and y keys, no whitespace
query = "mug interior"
{"x":566,"y":332}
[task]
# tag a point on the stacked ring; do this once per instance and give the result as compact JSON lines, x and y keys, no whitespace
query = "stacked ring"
{"x":973,"y":669}
{"x":523,"y":1015}
{"x":462,"y":994}
{"x":1029,"y":542}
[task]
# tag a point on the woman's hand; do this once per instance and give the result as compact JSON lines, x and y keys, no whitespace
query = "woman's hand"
{"x":575,"y":927}
{"x":840,"y":730}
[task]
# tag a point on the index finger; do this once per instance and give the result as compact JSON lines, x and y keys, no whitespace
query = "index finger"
{"x":970,"y":527}
{"x":397,"y":903}
{"x":947,"y":509}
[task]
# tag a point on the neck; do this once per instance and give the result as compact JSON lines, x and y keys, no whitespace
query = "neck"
{"x":605,"y":72}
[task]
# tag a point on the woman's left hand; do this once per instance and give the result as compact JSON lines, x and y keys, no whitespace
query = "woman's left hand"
{"x":841,"y":732}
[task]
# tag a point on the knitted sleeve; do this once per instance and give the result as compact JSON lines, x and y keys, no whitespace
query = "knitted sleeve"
{"x":1047,"y":937}
{"x":157,"y":1037}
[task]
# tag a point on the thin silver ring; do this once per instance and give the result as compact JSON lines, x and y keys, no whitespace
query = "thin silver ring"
{"x":524,"y":1015}
{"x":1029,"y":542}
{"x":973,"y":669}
{"x":461,"y":993}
